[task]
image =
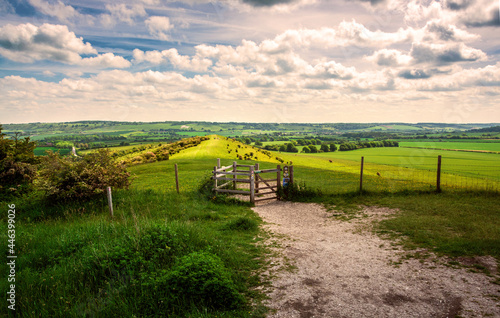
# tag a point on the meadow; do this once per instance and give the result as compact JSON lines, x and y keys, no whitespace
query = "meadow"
{"x":75,"y":260}
{"x":456,"y":145}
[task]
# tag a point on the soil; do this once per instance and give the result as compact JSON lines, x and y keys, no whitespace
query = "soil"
{"x":326,"y":267}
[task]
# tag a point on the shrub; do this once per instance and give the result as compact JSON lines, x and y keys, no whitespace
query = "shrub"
{"x":17,"y":165}
{"x":65,"y":178}
{"x":201,"y":278}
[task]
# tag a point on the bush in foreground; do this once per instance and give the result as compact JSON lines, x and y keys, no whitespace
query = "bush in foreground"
{"x":68,"y":178}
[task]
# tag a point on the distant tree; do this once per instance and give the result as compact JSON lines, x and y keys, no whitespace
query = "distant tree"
{"x":325,"y":148}
{"x":306,"y":149}
{"x":282,"y":148}
{"x":313,"y":149}
{"x":291,"y":148}
{"x":259,"y":143}
{"x":333,"y":147}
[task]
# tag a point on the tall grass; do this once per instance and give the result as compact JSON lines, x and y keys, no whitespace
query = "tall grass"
{"x":148,"y":260}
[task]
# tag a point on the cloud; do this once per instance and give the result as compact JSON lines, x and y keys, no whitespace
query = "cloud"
{"x":330,"y":70}
{"x":122,"y":13}
{"x":183,"y":62}
{"x":387,"y":57}
{"x":158,"y":26}
{"x":474,"y":13}
{"x":442,"y":54}
{"x":64,"y":13}
{"x":414,"y":74}
{"x":27,"y":43}
{"x":107,"y":60}
{"x":267,"y":3}
{"x":437,"y":30}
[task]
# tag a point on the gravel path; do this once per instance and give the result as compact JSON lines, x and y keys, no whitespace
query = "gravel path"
{"x":341,"y":269}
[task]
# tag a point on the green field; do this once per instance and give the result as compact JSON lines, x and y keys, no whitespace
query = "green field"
{"x":41,"y":151}
{"x":482,"y":146}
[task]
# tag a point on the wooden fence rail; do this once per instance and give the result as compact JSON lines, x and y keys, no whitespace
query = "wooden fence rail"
{"x":251,"y":175}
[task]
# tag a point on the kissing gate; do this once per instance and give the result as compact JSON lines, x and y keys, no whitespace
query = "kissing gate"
{"x":253,"y":181}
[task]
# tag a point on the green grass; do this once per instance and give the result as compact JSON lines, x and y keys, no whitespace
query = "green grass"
{"x":455,"y":224}
{"x":482,"y":146}
{"x":74,"y":260}
{"x":41,"y":151}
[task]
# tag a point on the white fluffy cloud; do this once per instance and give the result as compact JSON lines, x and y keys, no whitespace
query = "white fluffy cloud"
{"x":182,"y":62}
{"x":385,"y":57}
{"x":158,"y":27}
{"x":27,"y":43}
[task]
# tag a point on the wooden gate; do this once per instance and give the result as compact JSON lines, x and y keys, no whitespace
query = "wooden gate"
{"x":249,"y":180}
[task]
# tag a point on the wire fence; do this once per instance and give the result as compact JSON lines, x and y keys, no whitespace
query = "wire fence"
{"x":372,"y":176}
{"x":343,"y":176}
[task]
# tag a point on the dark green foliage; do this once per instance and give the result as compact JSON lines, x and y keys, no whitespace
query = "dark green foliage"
{"x":333,"y":147}
{"x":201,"y":278}
{"x":325,"y":148}
{"x":313,"y":149}
{"x":242,"y":224}
{"x":368,"y":144}
{"x":68,"y":178}
{"x":17,"y":165}
{"x":297,"y":192}
{"x":291,"y":148}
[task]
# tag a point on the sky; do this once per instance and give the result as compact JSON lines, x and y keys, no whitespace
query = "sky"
{"x":250,"y":61}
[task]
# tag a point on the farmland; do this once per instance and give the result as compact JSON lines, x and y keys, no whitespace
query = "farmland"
{"x":76,"y":259}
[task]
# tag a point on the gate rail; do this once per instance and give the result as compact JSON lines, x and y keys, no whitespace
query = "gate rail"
{"x":233,"y":175}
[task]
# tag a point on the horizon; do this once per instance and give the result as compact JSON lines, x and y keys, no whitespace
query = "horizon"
{"x":276,"y":61}
{"x":242,"y":122}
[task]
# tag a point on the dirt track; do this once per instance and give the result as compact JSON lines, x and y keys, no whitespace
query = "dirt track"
{"x":341,"y":269}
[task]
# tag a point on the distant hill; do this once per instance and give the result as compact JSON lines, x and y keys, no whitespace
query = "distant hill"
{"x":488,"y":129}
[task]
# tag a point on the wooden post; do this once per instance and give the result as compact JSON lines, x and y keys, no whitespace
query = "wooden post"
{"x":438,"y":179}
{"x":252,"y":185}
{"x":234,"y":176}
{"x":291,"y":174}
{"x":218,"y":163}
{"x":215,"y":178}
{"x":278,"y":177}
{"x":176,"y":178}
{"x":361,"y":174}
{"x":110,"y":201}
{"x":257,"y":167}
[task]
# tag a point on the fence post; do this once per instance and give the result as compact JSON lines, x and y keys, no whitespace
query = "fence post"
{"x":218,"y":163}
{"x":177,"y":178}
{"x":438,"y":179}
{"x":278,"y":177}
{"x":215,"y":178}
{"x":252,"y":185}
{"x":234,"y":176}
{"x":257,"y":167}
{"x":110,"y":201}
{"x":291,"y":174}
{"x":361,"y":175}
